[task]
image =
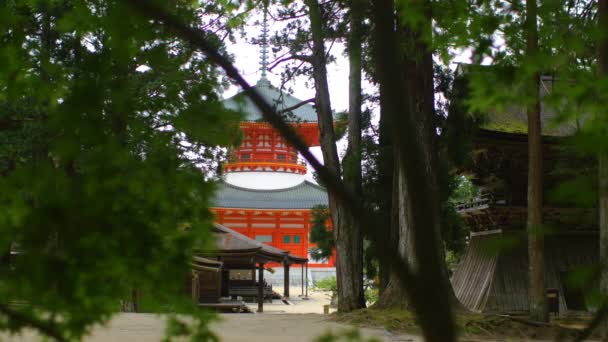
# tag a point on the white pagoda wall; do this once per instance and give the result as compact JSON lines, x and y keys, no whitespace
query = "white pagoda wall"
{"x":261,"y":180}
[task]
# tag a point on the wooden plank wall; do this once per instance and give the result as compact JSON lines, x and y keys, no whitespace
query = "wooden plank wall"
{"x":473,"y":276}
{"x":498,"y":282}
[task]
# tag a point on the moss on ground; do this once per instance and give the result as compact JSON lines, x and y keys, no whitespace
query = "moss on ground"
{"x":471,"y":326}
{"x":394,"y":320}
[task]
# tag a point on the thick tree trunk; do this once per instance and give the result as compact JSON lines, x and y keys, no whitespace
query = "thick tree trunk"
{"x":352,"y":160}
{"x":603,"y":211}
{"x":418,"y":75}
{"x":388,"y":192}
{"x":349,"y":267}
{"x":536,"y":254}
{"x":394,"y":295}
{"x":603,"y":160}
{"x":429,"y":295}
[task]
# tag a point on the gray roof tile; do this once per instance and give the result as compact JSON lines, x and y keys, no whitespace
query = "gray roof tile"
{"x":302,"y":196}
{"x":281,"y":101}
{"x":513,"y":118}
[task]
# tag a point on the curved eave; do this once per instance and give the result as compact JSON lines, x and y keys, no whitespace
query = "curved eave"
{"x":303,"y":196}
{"x":299,"y":110}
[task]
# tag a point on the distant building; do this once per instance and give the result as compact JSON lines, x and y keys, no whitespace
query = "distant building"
{"x":265,"y":195}
{"x":493,"y":274}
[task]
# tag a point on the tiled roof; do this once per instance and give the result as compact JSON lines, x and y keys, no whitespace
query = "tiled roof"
{"x":302,"y":196}
{"x":282,"y":101}
{"x":230,"y":241}
{"x":514,"y":118}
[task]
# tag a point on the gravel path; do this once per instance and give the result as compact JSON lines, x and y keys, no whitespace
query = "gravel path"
{"x":269,"y":327}
{"x":302,"y":321}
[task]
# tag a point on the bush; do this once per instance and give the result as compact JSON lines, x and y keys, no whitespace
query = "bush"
{"x":326,"y":284}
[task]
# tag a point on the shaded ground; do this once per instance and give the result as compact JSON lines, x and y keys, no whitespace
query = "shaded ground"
{"x":474,"y":327}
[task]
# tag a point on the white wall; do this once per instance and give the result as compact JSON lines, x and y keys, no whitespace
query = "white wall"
{"x":264,"y":180}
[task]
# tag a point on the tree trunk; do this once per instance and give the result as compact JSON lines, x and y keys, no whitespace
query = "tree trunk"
{"x":394,"y":295}
{"x":429,"y":294}
{"x":536,"y":254}
{"x":349,"y":266}
{"x":603,"y":159}
{"x":418,"y":75}
{"x":388,"y":192}
{"x":352,"y":159}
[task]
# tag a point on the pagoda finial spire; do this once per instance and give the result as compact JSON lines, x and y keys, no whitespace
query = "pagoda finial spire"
{"x":264,"y":57}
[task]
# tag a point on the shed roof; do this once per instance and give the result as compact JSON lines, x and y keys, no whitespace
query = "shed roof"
{"x":277,"y":98}
{"x":305,"y":195}
{"x":514,"y":118}
{"x":230,"y":241}
{"x":203,"y":264}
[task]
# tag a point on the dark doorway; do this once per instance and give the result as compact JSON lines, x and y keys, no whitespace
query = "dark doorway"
{"x":575,"y":300}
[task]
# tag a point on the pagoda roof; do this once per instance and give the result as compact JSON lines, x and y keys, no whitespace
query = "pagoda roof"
{"x":298,"y":111}
{"x":305,"y":195}
{"x":514,"y":118}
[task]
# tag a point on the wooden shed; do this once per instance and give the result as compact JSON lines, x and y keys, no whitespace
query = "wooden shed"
{"x":234,"y":251}
{"x":493,"y":274}
{"x":205,"y":280}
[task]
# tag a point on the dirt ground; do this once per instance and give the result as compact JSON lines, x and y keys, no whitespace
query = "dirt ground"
{"x":301,"y":321}
{"x":269,"y":327}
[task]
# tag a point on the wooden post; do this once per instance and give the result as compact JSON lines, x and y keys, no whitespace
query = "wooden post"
{"x":261,"y":287}
{"x":135,"y":299}
{"x":286,"y":279}
{"x":225,"y":282}
{"x":302,"y":267}
{"x":603,"y":161}
{"x":195,"y":287}
{"x":306,"y":296}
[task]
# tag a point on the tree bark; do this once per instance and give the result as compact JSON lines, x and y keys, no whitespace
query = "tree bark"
{"x":603,"y":159}
{"x":386,"y":161}
{"x":352,"y":159}
{"x":349,"y":266}
{"x":410,"y":112}
{"x":418,"y":76}
{"x":536,"y":254}
{"x":394,"y":295}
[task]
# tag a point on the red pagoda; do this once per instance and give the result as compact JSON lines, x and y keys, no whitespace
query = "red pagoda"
{"x":265,"y":194}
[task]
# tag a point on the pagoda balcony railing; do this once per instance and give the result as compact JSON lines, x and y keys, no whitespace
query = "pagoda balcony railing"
{"x":236,"y":160}
{"x":288,"y":165}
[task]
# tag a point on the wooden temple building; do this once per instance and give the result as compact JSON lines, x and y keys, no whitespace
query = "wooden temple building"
{"x":493,"y":274}
{"x":211,"y":284}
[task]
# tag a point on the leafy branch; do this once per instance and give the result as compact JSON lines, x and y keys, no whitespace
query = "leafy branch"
{"x":49,"y":329}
